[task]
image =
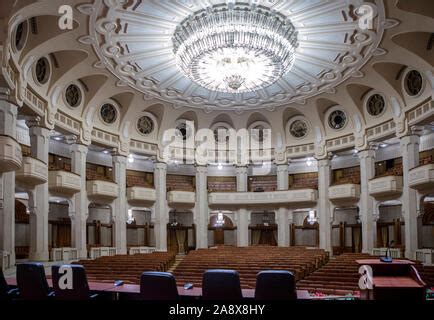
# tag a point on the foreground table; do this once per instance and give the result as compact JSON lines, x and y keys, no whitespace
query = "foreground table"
{"x":195,"y":292}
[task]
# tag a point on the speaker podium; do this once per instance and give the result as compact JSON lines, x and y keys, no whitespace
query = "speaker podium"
{"x":394,"y":280}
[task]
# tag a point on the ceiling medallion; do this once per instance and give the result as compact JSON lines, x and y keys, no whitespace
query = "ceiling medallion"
{"x":134,"y":40}
{"x":235,"y":47}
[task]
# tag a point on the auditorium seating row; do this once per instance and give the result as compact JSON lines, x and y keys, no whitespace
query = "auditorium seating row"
{"x":249,"y":261}
{"x":338,"y":276}
{"x":126,"y":267}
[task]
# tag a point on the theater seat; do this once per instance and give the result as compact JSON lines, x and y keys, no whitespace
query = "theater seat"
{"x":32,"y":282}
{"x":158,"y":286}
{"x":275,"y":285}
{"x":220,"y":284}
{"x":80,"y":289}
{"x":5,"y":292}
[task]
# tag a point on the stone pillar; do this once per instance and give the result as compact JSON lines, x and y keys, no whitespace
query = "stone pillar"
{"x":79,"y":210}
{"x":243,"y":215}
{"x":366,"y":203}
{"x":201,"y":210}
{"x":282,"y":212}
{"x":324,"y":206}
{"x":119,"y":212}
{"x":160,"y":209}
{"x":8,"y":124}
{"x":410,"y":160}
{"x":39,"y":197}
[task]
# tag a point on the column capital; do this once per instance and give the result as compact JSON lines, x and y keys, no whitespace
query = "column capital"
{"x":325,"y":162}
{"x":119,"y":159}
{"x":282,"y":167}
{"x":241,"y":169}
{"x":409,"y":139}
{"x":201,"y":169}
{"x":78,"y":147}
{"x":160,"y":166}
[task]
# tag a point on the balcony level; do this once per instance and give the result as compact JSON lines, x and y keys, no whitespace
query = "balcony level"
{"x":32,"y":173}
{"x":10,"y":154}
{"x":348,"y":193}
{"x":386,"y":188}
{"x":422,"y":178}
{"x":181,"y":198}
{"x":63,"y":182}
{"x":101,"y":190}
{"x":141,"y":196}
{"x":300,"y":198}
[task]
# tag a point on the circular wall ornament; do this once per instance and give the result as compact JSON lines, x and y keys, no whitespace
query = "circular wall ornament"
{"x":375,"y":105}
{"x":145,"y":125}
{"x":337,"y":119}
{"x":108,"y":113}
{"x":298,"y":128}
{"x":73,"y":95}
{"x":413,"y":83}
{"x":42,"y":71}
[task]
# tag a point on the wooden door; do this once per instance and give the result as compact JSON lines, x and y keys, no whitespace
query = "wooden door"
{"x":219,"y":237}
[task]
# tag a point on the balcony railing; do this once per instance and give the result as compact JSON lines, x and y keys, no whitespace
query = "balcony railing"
{"x":422,"y":178}
{"x":141,"y":196}
{"x":344,"y":193}
{"x":102,"y":190}
{"x":388,"y":187}
{"x":181,"y":198}
{"x":10,"y":154}
{"x":64,"y":182}
{"x":32,"y":172}
{"x":291,"y":198}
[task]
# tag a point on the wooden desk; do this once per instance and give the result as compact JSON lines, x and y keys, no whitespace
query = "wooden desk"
{"x":195,"y":292}
{"x":398,"y":279}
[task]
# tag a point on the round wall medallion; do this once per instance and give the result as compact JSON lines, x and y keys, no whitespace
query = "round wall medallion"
{"x":337,"y":119}
{"x":413,"y":83}
{"x":299,"y":129}
{"x":73,"y":95}
{"x":376,"y":105}
{"x":108,"y":113}
{"x":42,"y":71}
{"x":145,"y":125}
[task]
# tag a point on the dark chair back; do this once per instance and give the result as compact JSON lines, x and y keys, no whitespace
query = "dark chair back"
{"x":219,"y":284}
{"x":80,"y":287}
{"x":32,"y":282}
{"x":4,"y":288}
{"x":275,"y":285}
{"x":158,"y":286}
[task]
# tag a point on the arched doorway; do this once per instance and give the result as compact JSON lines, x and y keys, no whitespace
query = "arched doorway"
{"x":139,"y":228}
{"x":221,"y":229}
{"x":390,"y":225}
{"x":304,"y":229}
{"x":346,"y":232}
{"x":99,"y":226}
{"x":59,"y":223}
{"x":426,"y":223}
{"x":22,"y":227}
{"x":181,"y":231}
{"x":263,"y":228}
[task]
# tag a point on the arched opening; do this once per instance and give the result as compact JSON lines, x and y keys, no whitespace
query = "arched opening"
{"x":346,"y":232}
{"x":59,"y":223}
{"x":99,"y":226}
{"x":390,"y":225}
{"x":181,"y":231}
{"x":263,"y":228}
{"x":426,"y":223}
{"x":221,"y":229}
{"x":304,"y":230}
{"x":22,"y":227}
{"x":139,"y":228}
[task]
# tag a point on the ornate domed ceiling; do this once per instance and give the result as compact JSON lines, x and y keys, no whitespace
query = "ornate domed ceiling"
{"x":133,"y":39}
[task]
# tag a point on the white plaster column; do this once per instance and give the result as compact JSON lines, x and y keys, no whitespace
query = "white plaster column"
{"x":243,"y":215}
{"x":79,"y":210}
{"x":201,"y":209}
{"x":8,"y":124}
{"x":119,"y":212}
{"x":367,"y":203}
{"x":160,"y":209}
{"x":39,"y":197}
{"x":324,"y":205}
{"x":282,"y":212}
{"x":410,"y":160}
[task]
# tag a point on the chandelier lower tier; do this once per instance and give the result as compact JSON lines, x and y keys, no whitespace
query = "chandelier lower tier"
{"x":235,"y":47}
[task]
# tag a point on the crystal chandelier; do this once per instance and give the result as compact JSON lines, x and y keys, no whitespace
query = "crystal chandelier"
{"x":235,"y":47}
